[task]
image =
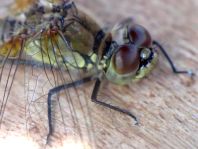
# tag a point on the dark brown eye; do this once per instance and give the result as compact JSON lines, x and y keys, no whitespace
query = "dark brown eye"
{"x":127,"y":59}
{"x":140,"y":36}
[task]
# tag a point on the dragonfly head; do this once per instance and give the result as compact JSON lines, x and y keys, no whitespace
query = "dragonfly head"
{"x":131,"y":55}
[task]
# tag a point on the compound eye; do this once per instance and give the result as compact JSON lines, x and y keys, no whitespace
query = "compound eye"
{"x":145,"y":53}
{"x":127,"y":59}
{"x":140,"y":36}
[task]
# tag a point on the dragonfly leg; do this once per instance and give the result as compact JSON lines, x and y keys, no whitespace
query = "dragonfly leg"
{"x":98,"y":39}
{"x":174,"y":69}
{"x":56,"y":90}
{"x":71,"y":5}
{"x":94,"y":99}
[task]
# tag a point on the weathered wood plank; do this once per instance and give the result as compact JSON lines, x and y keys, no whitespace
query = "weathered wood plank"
{"x":166,"y":104}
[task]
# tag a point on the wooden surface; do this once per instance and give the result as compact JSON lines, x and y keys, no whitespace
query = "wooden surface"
{"x":166,"y":104}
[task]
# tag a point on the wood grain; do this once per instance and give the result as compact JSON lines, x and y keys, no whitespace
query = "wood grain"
{"x":166,"y":104}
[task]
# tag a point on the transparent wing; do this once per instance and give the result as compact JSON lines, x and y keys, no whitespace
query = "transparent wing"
{"x":30,"y":68}
{"x":55,"y":73}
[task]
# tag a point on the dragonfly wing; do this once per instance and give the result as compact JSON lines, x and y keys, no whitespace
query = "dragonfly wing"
{"x":38,"y":64}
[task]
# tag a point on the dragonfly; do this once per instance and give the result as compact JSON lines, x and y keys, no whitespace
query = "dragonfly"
{"x":59,"y":37}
